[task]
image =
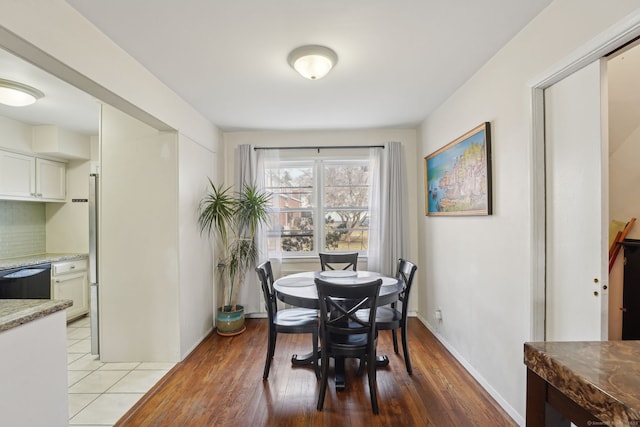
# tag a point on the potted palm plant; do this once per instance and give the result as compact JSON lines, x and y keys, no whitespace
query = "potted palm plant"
{"x":234,"y":219}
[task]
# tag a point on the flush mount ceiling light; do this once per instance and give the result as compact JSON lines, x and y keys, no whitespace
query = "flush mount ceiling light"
{"x":312,"y":62}
{"x":17,"y":94}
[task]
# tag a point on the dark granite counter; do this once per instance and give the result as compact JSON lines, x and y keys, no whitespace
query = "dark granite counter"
{"x":603,"y":378}
{"x":15,"y":312}
{"x":23,"y":261}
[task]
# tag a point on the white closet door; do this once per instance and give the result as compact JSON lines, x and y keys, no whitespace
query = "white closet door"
{"x":575,"y":178}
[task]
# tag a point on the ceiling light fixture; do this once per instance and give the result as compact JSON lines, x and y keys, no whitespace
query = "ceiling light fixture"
{"x":17,"y":94}
{"x":312,"y":62}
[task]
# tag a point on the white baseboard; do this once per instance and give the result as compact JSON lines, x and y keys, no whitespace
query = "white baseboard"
{"x":262,"y":315}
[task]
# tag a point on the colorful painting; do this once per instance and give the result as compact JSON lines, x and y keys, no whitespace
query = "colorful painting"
{"x":457,"y":177}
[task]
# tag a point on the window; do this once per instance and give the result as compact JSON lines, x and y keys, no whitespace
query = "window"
{"x":318,"y":206}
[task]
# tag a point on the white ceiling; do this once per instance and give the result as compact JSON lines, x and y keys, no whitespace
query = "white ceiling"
{"x":62,"y":105}
{"x":398,"y":60}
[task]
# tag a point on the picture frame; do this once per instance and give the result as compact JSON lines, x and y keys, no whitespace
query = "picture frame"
{"x":457,"y":177}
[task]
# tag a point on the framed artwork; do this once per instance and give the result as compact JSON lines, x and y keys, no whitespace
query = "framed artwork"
{"x":457,"y":177}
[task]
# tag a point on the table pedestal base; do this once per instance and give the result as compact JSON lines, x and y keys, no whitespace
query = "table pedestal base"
{"x":339,"y":377}
{"x":304,"y":359}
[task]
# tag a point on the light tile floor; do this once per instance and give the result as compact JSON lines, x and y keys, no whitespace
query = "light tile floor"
{"x":101,"y":393}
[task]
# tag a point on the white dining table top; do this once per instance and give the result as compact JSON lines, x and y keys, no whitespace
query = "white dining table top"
{"x":299,"y":289}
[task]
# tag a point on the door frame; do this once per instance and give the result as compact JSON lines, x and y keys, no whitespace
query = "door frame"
{"x":614,"y":37}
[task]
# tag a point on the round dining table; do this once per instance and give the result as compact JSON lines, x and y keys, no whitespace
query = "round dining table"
{"x":299,"y":289}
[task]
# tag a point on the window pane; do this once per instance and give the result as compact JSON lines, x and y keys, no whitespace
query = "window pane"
{"x":340,"y":237}
{"x":291,"y":202}
{"x":292,"y":187}
{"x":346,"y":185}
{"x":343,"y":211}
{"x":346,"y":203}
{"x":292,"y":231}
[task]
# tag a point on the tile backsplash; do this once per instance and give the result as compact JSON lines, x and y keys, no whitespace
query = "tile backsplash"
{"x":22,"y":228}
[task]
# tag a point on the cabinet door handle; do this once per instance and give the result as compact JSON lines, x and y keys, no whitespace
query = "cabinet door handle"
{"x":65,"y":278}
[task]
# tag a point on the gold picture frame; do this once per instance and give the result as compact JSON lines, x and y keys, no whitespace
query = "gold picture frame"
{"x":457,"y":177}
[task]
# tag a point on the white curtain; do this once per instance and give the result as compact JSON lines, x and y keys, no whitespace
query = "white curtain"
{"x":387,"y":200}
{"x":247,"y":174}
{"x":268,"y":157}
{"x":250,"y":170}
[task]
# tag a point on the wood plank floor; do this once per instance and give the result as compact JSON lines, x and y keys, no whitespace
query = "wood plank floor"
{"x":220,"y":384}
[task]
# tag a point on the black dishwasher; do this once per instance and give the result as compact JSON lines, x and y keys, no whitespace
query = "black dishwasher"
{"x":29,"y":282}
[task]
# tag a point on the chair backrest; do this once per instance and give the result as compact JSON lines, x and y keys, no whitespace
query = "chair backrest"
{"x":339,"y":261}
{"x":265,"y":274}
{"x":405,"y":271}
{"x":339,"y":304}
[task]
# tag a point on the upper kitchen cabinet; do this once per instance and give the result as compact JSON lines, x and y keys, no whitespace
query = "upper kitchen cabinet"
{"x":25,"y":177}
{"x":50,"y":180}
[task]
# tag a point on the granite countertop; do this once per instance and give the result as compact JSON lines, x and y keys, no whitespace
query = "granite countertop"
{"x":23,"y":261}
{"x":603,"y":376}
{"x":15,"y":312}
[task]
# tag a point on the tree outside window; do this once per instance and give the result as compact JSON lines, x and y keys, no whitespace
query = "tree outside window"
{"x":318,"y":205}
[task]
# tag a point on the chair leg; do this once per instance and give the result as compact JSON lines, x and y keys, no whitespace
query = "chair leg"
{"x":361,"y":366}
{"x":316,"y":365}
{"x":395,"y":340}
{"x":271,"y":348}
{"x":405,"y":350}
{"x":324,"y":379}
{"x":373,"y":387}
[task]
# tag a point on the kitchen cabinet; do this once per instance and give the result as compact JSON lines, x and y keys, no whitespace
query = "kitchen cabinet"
{"x":70,"y":280}
{"x":24,"y":177}
{"x":33,"y":339}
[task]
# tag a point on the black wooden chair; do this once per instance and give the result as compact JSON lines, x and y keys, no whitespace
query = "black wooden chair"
{"x":286,"y":321}
{"x":390,"y":318}
{"x":344,"y":334}
{"x":339,"y":261}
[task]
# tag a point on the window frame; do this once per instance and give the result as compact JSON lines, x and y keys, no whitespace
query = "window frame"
{"x":318,"y":209}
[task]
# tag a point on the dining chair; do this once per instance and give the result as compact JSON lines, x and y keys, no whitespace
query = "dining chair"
{"x":285,"y":321}
{"x":343,"y":334}
{"x":339,"y":261}
{"x":390,"y":318}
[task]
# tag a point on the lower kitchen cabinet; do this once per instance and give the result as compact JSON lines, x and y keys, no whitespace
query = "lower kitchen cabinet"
{"x":70,"y":280}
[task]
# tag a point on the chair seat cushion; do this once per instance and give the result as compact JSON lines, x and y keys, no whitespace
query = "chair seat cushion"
{"x":349,"y":345}
{"x":386,"y":317}
{"x":294,"y":317}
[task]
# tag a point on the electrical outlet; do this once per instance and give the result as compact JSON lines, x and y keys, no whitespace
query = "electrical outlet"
{"x":439,"y":314}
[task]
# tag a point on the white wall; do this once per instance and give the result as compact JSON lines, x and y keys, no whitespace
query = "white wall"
{"x":479,"y":269}
{"x":196,"y":163}
{"x":68,"y":223}
{"x":138,"y":241}
{"x":357,"y":137}
{"x":15,"y":136}
{"x":61,"y":143}
{"x":624,"y":184}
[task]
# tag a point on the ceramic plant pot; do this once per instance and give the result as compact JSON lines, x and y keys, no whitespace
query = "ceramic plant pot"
{"x":230,"y":322}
